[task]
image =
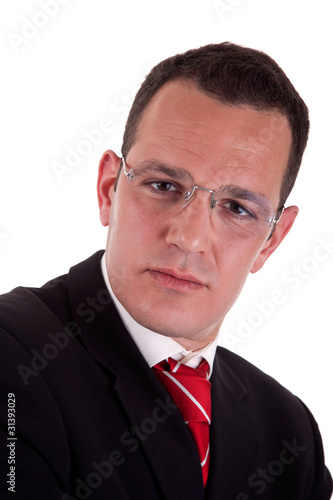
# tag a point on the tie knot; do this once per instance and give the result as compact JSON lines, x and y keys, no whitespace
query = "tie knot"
{"x":201,"y":371}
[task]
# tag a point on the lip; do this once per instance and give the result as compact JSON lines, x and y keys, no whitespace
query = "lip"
{"x":172,"y":279}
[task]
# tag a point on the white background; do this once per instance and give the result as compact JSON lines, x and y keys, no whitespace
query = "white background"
{"x":83,"y":64}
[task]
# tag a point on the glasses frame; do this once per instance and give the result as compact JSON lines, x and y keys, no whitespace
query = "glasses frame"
{"x":189,"y":195}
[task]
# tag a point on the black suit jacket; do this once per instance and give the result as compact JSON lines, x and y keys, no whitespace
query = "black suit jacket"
{"x":93,"y":421}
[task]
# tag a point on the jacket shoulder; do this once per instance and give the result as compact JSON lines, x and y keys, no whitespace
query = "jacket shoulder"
{"x":26,"y":311}
{"x":26,"y":308}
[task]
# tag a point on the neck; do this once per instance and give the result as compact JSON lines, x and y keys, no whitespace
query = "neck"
{"x":194,"y":345}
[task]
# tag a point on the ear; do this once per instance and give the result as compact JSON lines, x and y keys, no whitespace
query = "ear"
{"x":107,"y":175}
{"x":281,"y":230}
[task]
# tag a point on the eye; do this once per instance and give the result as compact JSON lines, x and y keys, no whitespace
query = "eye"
{"x":238,"y":209}
{"x":163,"y":186}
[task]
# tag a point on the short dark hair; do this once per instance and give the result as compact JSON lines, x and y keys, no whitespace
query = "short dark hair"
{"x":233,"y":75}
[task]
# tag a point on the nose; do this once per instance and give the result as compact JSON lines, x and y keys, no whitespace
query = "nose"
{"x":191,"y":228}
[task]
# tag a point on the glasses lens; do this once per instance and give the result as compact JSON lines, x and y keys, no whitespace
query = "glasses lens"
{"x":156,"y":193}
{"x":234,"y":209}
{"x":243,"y":210}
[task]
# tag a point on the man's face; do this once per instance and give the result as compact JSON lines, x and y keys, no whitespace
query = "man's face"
{"x":173,"y":271}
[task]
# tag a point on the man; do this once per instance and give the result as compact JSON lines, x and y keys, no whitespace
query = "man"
{"x":97,"y":362}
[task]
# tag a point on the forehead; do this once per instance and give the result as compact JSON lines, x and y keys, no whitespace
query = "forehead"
{"x":184,"y":126}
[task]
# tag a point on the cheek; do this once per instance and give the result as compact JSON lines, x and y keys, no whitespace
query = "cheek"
{"x":131,"y":229}
{"x":234,"y":262}
{"x":238,"y":254}
{"x":143,"y":229}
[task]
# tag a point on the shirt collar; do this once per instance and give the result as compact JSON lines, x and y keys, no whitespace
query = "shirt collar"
{"x":156,"y":347}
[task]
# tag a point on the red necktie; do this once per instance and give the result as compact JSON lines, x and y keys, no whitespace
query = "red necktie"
{"x":190,"y":390}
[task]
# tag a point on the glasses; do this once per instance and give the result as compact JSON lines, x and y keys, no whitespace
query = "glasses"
{"x":162,"y":189}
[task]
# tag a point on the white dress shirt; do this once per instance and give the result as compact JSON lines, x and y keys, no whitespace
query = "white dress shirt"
{"x":156,"y":347}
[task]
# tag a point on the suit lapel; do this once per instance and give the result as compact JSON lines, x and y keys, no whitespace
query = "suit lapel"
{"x":155,"y":422}
{"x":235,"y":436}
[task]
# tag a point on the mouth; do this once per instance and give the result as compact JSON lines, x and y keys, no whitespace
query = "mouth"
{"x":180,"y":282}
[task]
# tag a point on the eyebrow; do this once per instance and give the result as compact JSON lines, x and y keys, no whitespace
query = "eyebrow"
{"x":152,"y":166}
{"x":244,"y":194}
{"x":180,"y":174}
